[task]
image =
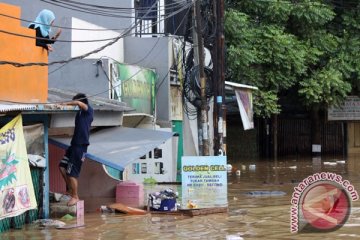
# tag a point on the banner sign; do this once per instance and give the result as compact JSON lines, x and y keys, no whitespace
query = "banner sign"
{"x":245,"y":102}
{"x":204,"y":182}
{"x":16,"y":188}
{"x":135,"y":86}
{"x":349,"y":110}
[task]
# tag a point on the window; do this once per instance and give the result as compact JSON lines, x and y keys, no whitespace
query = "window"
{"x":135,"y":168}
{"x":150,"y":15}
{"x":143,"y":168}
{"x":159,"y":168}
{"x":157,"y":153}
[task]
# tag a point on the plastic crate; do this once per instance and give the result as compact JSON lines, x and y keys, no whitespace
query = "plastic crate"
{"x":130,"y":194}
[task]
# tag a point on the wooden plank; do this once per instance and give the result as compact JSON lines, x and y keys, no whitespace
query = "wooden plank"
{"x":125,"y":209}
{"x":204,"y":211}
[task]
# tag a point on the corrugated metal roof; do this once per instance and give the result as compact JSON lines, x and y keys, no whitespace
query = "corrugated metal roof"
{"x":16,"y":107}
{"x":58,"y":96}
{"x":98,"y":103}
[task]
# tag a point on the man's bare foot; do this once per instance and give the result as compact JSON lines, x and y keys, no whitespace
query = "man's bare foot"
{"x":72,"y":201}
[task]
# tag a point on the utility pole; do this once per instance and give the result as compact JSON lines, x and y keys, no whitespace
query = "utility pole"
{"x":204,"y":107}
{"x":219,"y":80}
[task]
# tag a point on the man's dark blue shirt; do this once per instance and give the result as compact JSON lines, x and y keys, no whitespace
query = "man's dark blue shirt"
{"x":83,"y":122}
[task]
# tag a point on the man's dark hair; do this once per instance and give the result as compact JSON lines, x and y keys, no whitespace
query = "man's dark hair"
{"x":81,"y":97}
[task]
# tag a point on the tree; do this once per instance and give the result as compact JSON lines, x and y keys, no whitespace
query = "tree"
{"x":309,"y":46}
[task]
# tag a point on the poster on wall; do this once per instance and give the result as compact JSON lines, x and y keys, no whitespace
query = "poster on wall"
{"x":16,"y":188}
{"x":135,"y":86}
{"x":245,"y":102}
{"x":204,"y":182}
{"x":176,"y":103}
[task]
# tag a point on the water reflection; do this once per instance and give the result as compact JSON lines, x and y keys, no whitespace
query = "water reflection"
{"x":249,"y":216}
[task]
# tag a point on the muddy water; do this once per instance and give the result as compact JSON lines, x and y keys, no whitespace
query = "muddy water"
{"x":249,"y":217}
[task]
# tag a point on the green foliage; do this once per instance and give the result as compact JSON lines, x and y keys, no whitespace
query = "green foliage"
{"x":312,"y":14}
{"x":309,"y":45}
{"x":266,"y":103}
{"x":324,"y":86}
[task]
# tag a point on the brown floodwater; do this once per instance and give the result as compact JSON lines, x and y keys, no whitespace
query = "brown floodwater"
{"x":249,"y":217}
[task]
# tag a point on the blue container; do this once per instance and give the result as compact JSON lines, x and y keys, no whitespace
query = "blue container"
{"x":166,"y":205}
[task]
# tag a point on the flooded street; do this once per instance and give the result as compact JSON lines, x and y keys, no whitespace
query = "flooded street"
{"x":250,"y":216}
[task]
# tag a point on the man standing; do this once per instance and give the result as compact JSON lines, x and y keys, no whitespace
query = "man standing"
{"x":70,"y":165}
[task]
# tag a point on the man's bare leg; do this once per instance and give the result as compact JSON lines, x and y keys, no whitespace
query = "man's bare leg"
{"x":74,"y":194}
{"x":67,"y":180}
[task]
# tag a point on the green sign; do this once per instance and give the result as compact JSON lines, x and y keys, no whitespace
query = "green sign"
{"x":135,"y":86}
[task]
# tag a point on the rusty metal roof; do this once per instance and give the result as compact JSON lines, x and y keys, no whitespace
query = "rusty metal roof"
{"x":8,"y":107}
{"x":98,"y":103}
{"x":56,"y":98}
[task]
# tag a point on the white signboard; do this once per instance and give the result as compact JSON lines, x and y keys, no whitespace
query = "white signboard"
{"x":349,"y":110}
{"x":204,"y":182}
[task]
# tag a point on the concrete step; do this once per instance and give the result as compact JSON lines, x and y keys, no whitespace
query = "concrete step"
{"x":60,"y":209}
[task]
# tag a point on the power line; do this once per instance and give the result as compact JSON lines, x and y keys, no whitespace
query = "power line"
{"x":95,"y":11}
{"x":113,"y":87}
{"x":56,"y":26}
{"x":57,"y":69}
{"x":57,"y":40}
{"x":111,"y":7}
{"x":140,"y":60}
{"x":17,"y":64}
{"x":162,"y":81}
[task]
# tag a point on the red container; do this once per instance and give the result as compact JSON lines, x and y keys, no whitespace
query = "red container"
{"x":130,"y":194}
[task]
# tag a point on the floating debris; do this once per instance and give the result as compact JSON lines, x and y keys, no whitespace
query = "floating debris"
{"x":234,"y":237}
{"x":191,"y":204}
{"x":49,"y":223}
{"x":265,"y":193}
{"x":229,"y":167}
{"x":67,"y":217}
{"x":330,"y":163}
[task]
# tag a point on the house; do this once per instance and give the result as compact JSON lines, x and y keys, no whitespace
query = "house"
{"x":25,"y":93}
{"x":95,"y":74}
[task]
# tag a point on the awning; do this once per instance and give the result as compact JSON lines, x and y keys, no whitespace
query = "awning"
{"x":116,"y":147}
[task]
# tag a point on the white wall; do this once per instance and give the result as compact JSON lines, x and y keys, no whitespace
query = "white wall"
{"x":168,"y":160}
{"x":115,"y":51}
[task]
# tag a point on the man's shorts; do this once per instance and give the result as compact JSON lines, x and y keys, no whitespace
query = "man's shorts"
{"x":73,"y":159}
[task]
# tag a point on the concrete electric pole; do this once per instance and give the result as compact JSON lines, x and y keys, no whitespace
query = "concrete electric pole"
{"x":219,"y":80}
{"x":200,"y":52}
